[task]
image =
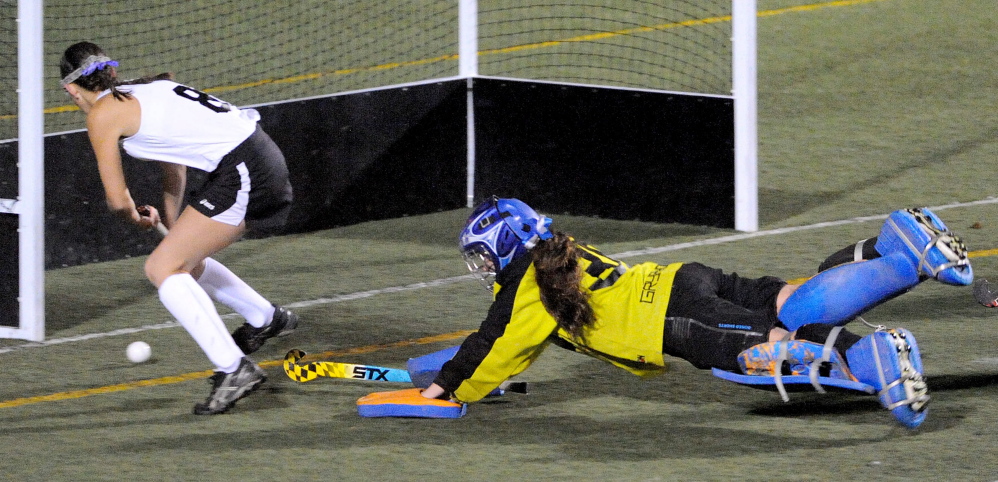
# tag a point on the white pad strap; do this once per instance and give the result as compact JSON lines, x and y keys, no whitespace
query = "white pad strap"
{"x":857,"y":253}
{"x":826,"y":355}
{"x":781,"y":356}
{"x":880,"y":368}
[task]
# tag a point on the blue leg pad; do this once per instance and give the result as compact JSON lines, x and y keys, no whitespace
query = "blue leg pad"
{"x":891,"y":363}
{"x":837,"y":295}
{"x":424,"y":369}
{"x":923,"y":238}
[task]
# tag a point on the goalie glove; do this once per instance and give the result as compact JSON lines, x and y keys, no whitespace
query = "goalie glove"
{"x":408,"y":403}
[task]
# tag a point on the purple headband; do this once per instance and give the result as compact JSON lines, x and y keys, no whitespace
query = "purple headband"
{"x":90,"y":65}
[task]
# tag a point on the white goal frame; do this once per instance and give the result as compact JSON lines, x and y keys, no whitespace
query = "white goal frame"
{"x":30,"y":203}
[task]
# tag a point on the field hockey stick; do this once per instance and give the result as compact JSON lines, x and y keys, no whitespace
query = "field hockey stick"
{"x":312,"y":370}
{"x":985,"y":293}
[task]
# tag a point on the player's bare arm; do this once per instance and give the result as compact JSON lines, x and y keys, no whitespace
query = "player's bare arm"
{"x":108,"y":120}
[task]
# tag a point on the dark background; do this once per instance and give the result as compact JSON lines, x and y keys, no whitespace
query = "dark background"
{"x":615,"y":154}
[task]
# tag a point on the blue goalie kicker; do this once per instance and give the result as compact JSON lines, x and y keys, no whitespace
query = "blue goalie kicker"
{"x":913,"y":246}
{"x":929,"y":244}
{"x":886,"y":363}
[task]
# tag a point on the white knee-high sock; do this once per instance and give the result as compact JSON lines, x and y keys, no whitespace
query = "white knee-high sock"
{"x":228,"y":289}
{"x":195,"y":311}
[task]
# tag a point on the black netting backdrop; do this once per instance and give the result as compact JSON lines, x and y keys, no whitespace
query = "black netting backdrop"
{"x":253,"y":52}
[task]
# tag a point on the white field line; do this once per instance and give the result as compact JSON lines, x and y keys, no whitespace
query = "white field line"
{"x":455,"y":279}
{"x":298,"y":304}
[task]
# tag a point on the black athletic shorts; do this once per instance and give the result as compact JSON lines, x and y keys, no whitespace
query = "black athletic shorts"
{"x":250,"y":183}
{"x":713,"y":316}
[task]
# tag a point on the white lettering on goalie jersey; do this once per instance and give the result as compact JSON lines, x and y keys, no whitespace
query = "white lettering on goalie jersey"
{"x":205,"y":203}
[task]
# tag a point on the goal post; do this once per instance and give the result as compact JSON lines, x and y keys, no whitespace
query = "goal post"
{"x":468,"y":68}
{"x":744,"y":75}
{"x":29,"y":205}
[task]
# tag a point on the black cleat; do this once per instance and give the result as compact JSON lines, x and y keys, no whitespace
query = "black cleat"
{"x":250,"y":338}
{"x":227,"y":388}
{"x":986,"y":293}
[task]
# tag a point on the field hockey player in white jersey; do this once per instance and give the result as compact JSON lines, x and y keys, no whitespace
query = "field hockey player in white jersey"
{"x":247,"y":187}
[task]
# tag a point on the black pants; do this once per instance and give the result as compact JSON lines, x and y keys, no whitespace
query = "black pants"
{"x":713,"y":316}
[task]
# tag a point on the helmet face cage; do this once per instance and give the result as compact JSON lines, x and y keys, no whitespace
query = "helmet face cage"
{"x":497,"y":232}
{"x":480,"y":263}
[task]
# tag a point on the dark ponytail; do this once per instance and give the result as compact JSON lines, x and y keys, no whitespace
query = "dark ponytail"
{"x":559,"y":278}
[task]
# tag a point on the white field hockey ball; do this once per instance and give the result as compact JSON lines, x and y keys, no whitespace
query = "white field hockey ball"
{"x":138,"y":352}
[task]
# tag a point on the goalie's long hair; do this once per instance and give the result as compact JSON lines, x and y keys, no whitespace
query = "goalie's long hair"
{"x":559,"y":278}
{"x":102,"y":79}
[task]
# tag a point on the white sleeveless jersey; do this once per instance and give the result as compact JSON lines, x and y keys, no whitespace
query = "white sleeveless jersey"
{"x":182,"y":125}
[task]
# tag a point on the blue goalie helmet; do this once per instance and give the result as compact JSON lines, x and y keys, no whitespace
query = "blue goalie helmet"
{"x":497,"y":232}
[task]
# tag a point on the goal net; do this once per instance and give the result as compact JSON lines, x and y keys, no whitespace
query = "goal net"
{"x":254,"y":53}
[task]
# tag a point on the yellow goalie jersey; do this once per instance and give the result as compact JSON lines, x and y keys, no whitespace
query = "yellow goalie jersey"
{"x":629,"y":304}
